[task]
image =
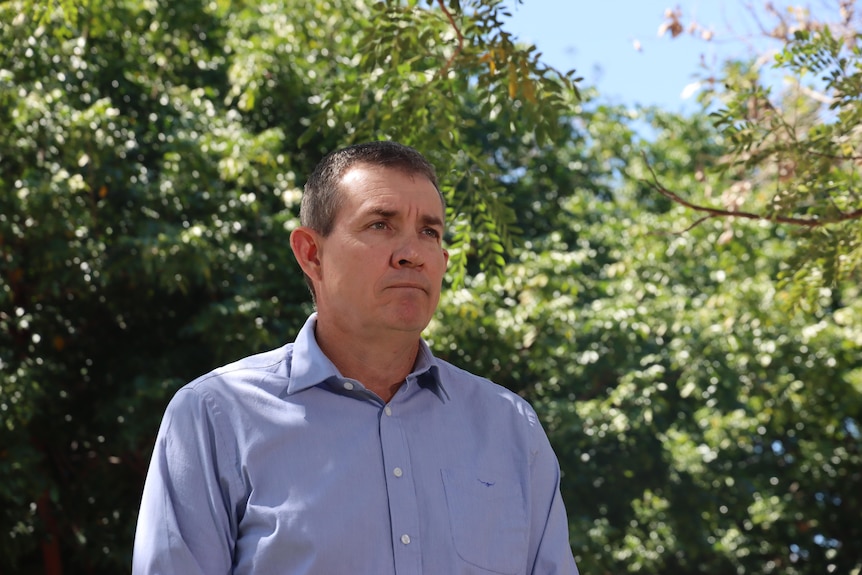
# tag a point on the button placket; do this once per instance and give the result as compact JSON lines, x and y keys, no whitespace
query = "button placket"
{"x":401,"y":492}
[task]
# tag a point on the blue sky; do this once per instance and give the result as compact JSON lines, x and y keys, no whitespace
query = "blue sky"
{"x":598,"y":38}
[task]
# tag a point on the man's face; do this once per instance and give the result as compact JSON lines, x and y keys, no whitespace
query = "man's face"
{"x":382,"y":266}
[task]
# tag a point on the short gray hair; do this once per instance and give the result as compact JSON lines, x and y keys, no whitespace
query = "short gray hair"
{"x":322,"y":197}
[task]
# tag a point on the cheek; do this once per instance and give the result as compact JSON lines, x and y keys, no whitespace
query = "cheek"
{"x":441,"y":259}
{"x":357,"y":268}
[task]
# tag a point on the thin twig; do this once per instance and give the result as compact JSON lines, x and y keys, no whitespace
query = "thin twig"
{"x":688,"y":229}
{"x":696,"y":223}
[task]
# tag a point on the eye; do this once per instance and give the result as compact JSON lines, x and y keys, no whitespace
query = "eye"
{"x":431,"y":232}
{"x":379,"y":226}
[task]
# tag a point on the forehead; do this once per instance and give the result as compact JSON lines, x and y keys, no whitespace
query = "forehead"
{"x":364,"y":183}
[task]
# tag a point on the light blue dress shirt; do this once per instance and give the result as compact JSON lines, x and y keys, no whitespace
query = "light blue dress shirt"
{"x":276,"y":464}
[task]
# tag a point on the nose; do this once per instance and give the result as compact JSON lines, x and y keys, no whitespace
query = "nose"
{"x":407,"y":254}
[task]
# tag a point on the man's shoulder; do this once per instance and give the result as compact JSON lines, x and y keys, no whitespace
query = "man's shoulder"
{"x":468,"y":386}
{"x":254,"y":370}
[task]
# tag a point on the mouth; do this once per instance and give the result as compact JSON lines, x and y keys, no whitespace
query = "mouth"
{"x":408,"y":286}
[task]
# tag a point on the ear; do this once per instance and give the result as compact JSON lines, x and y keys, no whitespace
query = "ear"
{"x":446,"y":257}
{"x":306,"y":246}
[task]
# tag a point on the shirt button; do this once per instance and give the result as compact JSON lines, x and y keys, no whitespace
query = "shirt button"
{"x":405,"y":539}
{"x":348,"y":386}
{"x":387,"y":410}
{"x":397,"y":472}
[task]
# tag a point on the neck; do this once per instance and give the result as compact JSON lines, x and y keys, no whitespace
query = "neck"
{"x":380,"y":365}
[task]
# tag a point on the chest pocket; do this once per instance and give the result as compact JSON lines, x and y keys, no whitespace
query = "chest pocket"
{"x":488,"y":519}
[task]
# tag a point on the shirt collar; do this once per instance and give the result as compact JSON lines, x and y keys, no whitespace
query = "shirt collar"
{"x":309,"y":366}
{"x":427,"y":372}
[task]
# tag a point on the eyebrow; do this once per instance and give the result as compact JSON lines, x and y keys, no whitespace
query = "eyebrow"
{"x":432,"y":221}
{"x":427,"y":219}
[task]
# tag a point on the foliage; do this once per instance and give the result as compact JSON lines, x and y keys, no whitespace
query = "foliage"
{"x":792,"y":150}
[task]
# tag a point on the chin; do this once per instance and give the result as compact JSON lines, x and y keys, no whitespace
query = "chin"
{"x":410,"y":323}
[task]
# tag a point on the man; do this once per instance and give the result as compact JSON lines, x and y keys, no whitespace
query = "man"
{"x":354,"y":449}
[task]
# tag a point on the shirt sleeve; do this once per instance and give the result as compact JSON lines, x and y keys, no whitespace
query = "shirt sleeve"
{"x":550,"y":549}
{"x":187,"y":521}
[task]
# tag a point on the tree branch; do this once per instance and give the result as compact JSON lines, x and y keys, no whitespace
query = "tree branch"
{"x":460,"y":47}
{"x":718,"y":212}
{"x":833,"y":156}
